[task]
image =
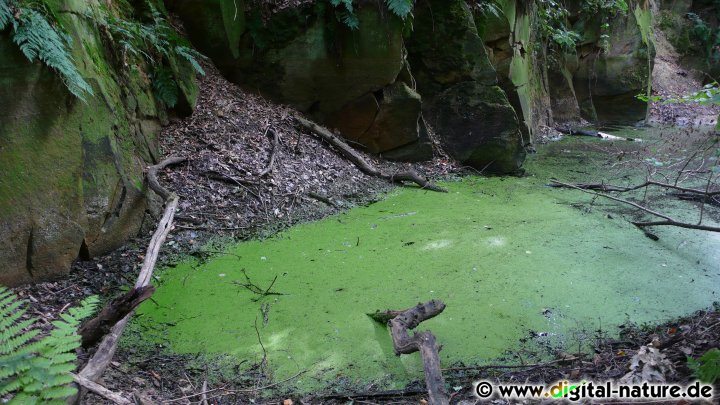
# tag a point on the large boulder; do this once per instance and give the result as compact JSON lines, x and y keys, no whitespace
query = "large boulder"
{"x":471,"y":115}
{"x":395,"y":109}
{"x":72,"y":178}
{"x":479,"y":127}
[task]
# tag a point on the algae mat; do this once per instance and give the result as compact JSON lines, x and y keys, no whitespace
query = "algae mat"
{"x":510,"y":257}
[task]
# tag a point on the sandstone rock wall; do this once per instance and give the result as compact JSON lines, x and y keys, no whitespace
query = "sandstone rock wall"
{"x":71,"y":171}
{"x":596,"y":82}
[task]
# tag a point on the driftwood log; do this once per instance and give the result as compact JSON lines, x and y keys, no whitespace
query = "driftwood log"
{"x":99,"y":362}
{"x":363,"y":165}
{"x":400,"y":322}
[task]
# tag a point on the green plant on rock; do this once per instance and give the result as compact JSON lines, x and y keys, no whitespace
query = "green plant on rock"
{"x":345,"y":11}
{"x":707,"y":367}
{"x":488,"y":8}
{"x":40,"y":40}
{"x":156,"y":43}
{"x":552,"y":18}
{"x":33,"y":369}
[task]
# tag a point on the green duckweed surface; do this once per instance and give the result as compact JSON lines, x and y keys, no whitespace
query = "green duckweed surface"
{"x":512,"y":258}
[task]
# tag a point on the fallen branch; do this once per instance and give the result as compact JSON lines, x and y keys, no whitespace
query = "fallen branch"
{"x":619,"y":189}
{"x":254,"y":288}
{"x":99,"y":362}
{"x":225,"y":178}
{"x":424,"y":342}
{"x":667,"y":220}
{"x":359,"y":161}
{"x":203,"y":398}
{"x":595,"y":134}
{"x":100,"y":390}
{"x":94,"y":329}
{"x":238,"y":391}
{"x":275,"y":147}
{"x":372,"y":395}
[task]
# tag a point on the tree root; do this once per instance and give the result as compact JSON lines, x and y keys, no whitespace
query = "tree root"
{"x":363,"y":165}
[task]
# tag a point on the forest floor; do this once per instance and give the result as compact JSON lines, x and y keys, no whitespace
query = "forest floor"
{"x":224,"y":199}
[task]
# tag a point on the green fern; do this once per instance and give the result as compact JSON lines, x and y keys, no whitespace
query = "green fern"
{"x":191,"y":56}
{"x":707,"y":367}
{"x":38,"y":370}
{"x":165,"y":86}
{"x":157,"y":43}
{"x":401,"y":8}
{"x":345,"y":11}
{"x":6,"y":15}
{"x":38,"y":40}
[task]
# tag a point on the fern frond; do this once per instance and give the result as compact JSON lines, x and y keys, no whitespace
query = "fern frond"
{"x":192,"y":57}
{"x":165,"y":86}
{"x":348,"y":18}
{"x":38,"y":40}
{"x":6,"y":14}
{"x":38,"y":370}
{"x":401,"y":8}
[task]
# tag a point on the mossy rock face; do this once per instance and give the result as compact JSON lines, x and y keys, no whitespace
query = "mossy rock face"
{"x":304,"y":57}
{"x":563,"y":98}
{"x":515,"y":51}
{"x":393,"y":110}
{"x":72,"y":170}
{"x":471,"y":115}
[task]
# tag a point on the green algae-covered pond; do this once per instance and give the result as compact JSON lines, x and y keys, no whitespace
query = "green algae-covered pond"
{"x":512,"y":258}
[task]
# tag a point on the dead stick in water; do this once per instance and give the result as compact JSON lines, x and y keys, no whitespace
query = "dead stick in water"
{"x":359,"y":161}
{"x":423,"y":342}
{"x":667,"y":220}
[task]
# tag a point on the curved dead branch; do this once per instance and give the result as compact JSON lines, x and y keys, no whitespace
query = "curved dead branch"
{"x":97,"y":364}
{"x":359,"y":161}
